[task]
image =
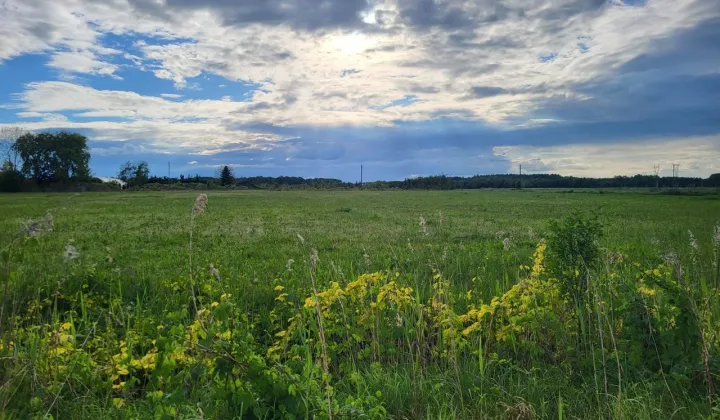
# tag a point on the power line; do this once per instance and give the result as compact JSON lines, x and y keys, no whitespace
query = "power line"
{"x":657,"y":176}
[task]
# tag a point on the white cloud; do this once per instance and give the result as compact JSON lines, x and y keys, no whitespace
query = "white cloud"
{"x":193,"y":162}
{"x":171,"y":95}
{"x":46,"y":116}
{"x":82,"y":62}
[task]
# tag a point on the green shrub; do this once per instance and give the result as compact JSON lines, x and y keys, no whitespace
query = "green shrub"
{"x":573,"y":249}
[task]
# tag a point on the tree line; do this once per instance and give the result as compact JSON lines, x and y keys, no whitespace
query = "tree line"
{"x":45,"y":158}
{"x":442,"y":182}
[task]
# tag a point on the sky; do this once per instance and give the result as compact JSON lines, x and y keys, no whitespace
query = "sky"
{"x":316,"y":88}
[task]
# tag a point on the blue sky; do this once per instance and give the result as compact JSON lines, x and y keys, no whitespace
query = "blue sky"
{"x":316,"y":88}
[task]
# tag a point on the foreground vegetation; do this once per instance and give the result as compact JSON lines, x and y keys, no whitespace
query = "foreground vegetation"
{"x":396,"y":304}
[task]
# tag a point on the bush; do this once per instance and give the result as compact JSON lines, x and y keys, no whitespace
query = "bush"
{"x":11,"y":180}
{"x":573,"y":249}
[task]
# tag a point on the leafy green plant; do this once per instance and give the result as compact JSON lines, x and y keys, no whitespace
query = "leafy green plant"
{"x":573,"y":249}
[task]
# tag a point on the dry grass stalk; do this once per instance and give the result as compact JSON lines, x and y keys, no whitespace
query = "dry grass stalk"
{"x":314,"y":259}
{"x":520,"y":411}
{"x":198,"y":208}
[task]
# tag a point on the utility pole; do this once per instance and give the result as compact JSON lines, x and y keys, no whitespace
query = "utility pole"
{"x":676,"y":173}
{"x":521,"y":176}
{"x":168,"y":170}
{"x":361,"y":175}
{"x":657,"y":176}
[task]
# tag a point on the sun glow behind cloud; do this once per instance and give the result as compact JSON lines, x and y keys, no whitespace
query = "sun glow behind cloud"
{"x":353,"y":43}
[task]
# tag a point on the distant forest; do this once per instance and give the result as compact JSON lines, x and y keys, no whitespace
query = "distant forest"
{"x":442,"y":182}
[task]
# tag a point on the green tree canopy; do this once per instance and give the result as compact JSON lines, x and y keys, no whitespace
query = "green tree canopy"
{"x":135,"y":174}
{"x":51,"y":157}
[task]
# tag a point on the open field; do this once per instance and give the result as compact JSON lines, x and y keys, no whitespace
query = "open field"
{"x":469,"y":314}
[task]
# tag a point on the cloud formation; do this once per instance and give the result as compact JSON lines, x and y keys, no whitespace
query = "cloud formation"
{"x":424,"y":85}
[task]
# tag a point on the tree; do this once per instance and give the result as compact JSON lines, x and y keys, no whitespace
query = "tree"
{"x":713,"y":180}
{"x":50,"y":157}
{"x":134,"y":174}
{"x":142,"y":173}
{"x":226,"y":176}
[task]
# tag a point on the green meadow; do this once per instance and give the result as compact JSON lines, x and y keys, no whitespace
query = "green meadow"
{"x":545,"y":304}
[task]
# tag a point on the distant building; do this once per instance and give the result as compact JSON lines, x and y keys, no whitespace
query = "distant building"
{"x":122,"y":183}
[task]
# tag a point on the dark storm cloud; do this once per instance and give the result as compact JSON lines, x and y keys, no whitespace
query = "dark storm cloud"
{"x":427,"y":13}
{"x":457,"y":16}
{"x":301,"y":14}
{"x":668,"y":88}
{"x":469,"y":14}
{"x":487,"y":91}
{"x":699,"y":46}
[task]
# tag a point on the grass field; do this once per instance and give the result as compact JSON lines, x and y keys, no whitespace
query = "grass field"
{"x":402,"y":304}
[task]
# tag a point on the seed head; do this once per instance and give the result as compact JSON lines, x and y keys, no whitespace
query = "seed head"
{"x":506,"y":244}
{"x":314,"y":259}
{"x":398,"y":320}
{"x":214,"y":271}
{"x":289,"y":264}
{"x":423,"y":226}
{"x":38,"y":227}
{"x":200,"y":204}
{"x":49,"y":222}
{"x":615,"y":257}
{"x":693,"y":241}
{"x":70,"y":253}
{"x":716,"y":235}
{"x":301,"y":239}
